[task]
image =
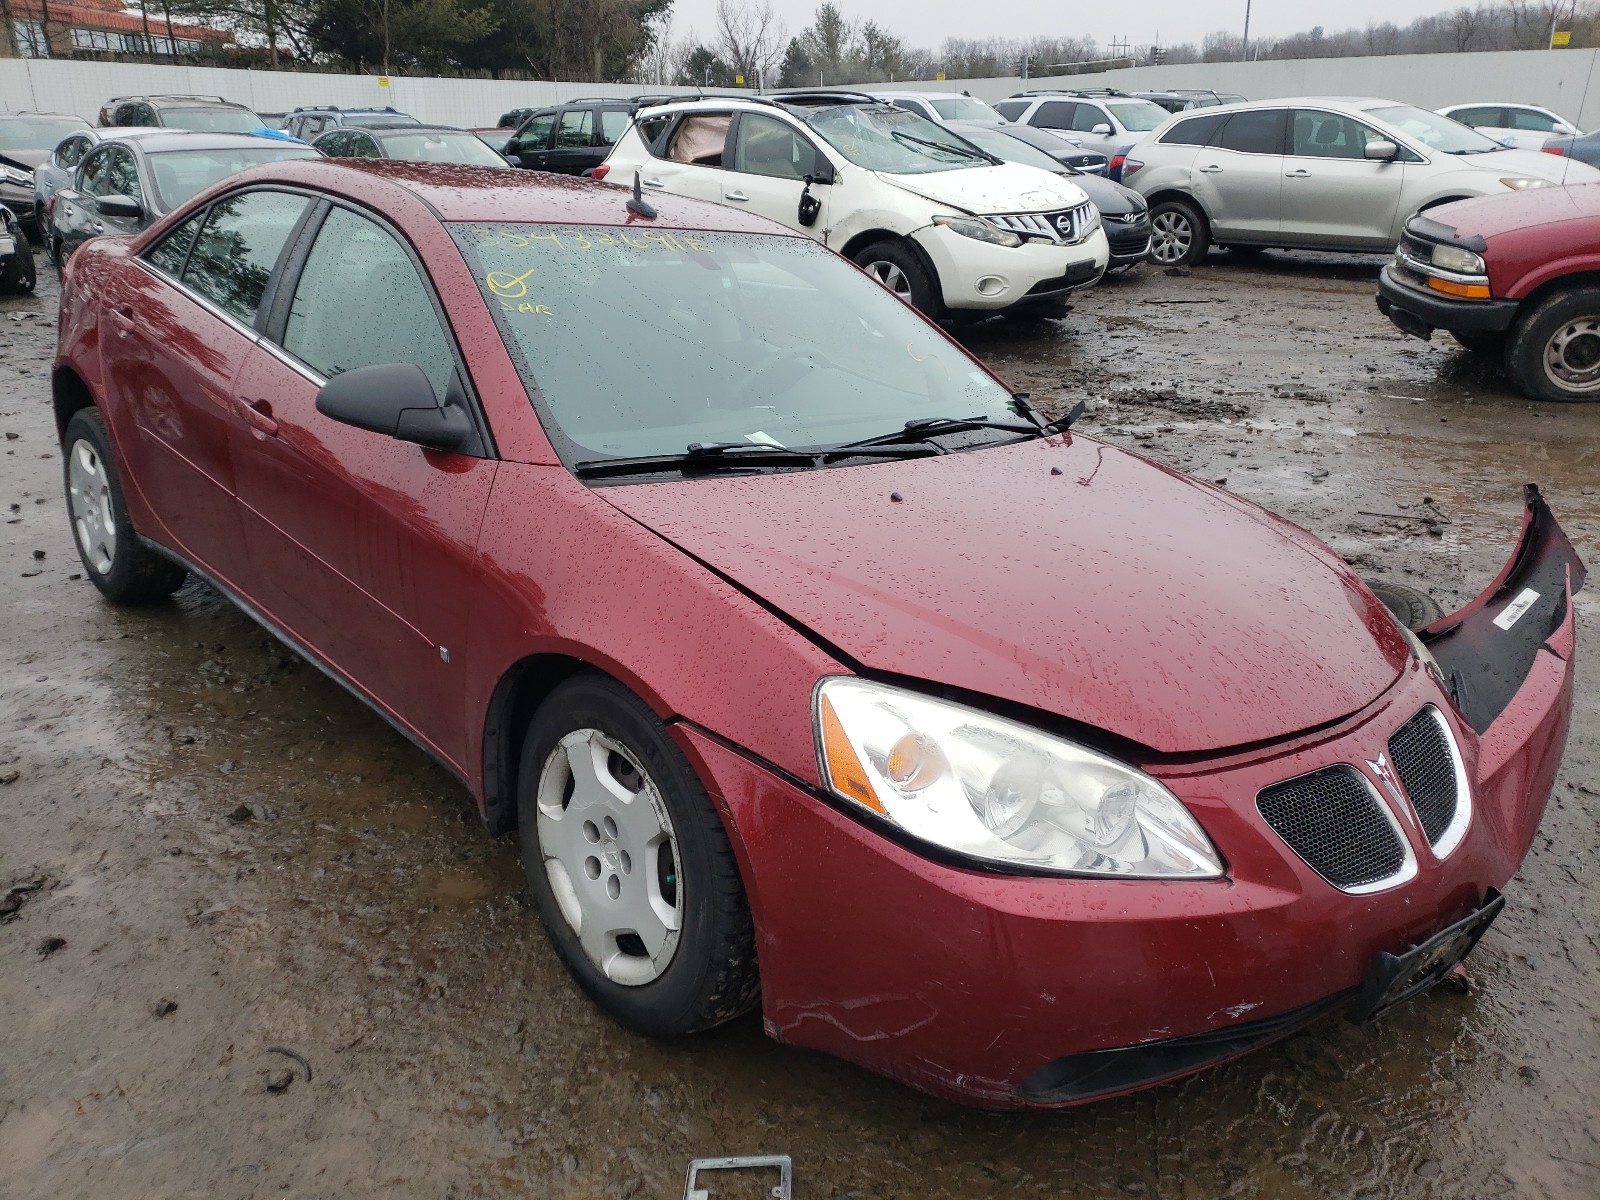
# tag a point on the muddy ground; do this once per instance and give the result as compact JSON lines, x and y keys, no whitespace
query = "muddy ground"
{"x":234,"y":855}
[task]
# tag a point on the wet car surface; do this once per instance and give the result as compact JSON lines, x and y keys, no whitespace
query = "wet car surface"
{"x":354,"y":913}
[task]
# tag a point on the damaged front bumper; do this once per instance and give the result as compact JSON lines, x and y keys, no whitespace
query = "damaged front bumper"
{"x":1013,"y":992}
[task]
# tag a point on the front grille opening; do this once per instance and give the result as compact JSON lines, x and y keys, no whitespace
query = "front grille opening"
{"x":1331,"y":819}
{"x":1422,"y":756}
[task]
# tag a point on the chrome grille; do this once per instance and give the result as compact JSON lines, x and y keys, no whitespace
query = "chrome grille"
{"x":1068,"y":225}
{"x":1334,"y":820}
{"x":1426,"y":763}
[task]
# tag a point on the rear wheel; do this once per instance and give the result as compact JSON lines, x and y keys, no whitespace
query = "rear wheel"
{"x":898,"y":268}
{"x":1554,"y":351}
{"x":124,"y":569}
{"x":19,"y":274}
{"x":1411,"y":606}
{"x":1179,"y":235}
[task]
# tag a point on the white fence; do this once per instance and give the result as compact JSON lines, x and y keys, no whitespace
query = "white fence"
{"x":82,"y":87}
{"x":1563,"y":80}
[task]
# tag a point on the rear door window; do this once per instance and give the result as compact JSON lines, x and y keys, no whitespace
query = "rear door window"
{"x":700,"y":139}
{"x":1011,"y":109}
{"x":1254,"y":131}
{"x":239,"y":247}
{"x":576,"y":128}
{"x":70,"y":153}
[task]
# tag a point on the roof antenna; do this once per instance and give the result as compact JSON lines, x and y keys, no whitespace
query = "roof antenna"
{"x":638,"y":205}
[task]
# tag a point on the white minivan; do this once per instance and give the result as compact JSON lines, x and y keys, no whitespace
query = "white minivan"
{"x":943,"y":224}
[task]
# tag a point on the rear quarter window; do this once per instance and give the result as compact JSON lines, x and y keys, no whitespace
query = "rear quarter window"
{"x":1195,"y":131}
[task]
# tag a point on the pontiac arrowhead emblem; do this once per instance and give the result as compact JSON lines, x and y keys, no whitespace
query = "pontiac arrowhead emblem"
{"x":1386,"y":776}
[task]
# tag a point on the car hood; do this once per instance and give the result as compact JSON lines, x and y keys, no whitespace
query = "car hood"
{"x":1490,"y":216}
{"x":1007,"y":188}
{"x":1117,"y":593}
{"x":26,"y":159}
{"x":1535,"y":163}
{"x":1112,"y":199}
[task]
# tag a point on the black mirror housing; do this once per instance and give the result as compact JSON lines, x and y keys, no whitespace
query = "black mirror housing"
{"x":125,"y":207}
{"x":395,"y":400}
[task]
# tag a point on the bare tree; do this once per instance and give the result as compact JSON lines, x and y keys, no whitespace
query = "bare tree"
{"x":750,"y":38}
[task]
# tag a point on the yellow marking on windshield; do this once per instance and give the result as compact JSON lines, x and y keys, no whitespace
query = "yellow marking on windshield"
{"x":508,"y":286}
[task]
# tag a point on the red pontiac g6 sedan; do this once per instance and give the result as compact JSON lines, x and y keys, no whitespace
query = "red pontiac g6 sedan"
{"x":811,"y":663}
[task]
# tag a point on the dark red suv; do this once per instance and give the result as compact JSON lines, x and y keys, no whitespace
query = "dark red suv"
{"x":1516,"y":276}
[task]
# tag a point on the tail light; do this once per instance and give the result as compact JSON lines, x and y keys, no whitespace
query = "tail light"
{"x":1130,"y":166}
{"x":1115,"y":165}
{"x":601,"y":172}
{"x":1553,"y":150}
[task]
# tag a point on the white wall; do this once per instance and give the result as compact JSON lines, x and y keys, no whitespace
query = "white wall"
{"x":1563,"y":80}
{"x":59,"y":85}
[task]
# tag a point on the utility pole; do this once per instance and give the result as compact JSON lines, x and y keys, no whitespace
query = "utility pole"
{"x":1245,"y":56}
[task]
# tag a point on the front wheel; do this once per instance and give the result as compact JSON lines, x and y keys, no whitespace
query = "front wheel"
{"x":18,"y":274}
{"x":629,"y":864}
{"x":897,"y":267}
{"x":1554,"y":351}
{"x":124,"y":569}
{"x":1179,"y":236}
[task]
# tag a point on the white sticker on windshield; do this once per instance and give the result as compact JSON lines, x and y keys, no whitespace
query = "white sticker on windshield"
{"x":762,"y":438}
{"x":1512,"y":613}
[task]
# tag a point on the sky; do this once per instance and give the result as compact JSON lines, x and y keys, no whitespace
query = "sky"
{"x":928,"y":22}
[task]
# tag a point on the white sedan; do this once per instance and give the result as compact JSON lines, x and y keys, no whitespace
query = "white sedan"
{"x":1521,"y":126}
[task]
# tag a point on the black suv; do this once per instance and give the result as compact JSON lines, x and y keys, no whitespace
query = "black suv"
{"x":571,"y":138}
{"x":307,"y":122}
{"x":198,"y":114}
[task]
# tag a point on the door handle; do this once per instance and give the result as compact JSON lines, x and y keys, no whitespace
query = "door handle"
{"x":655,"y":183}
{"x":1212,"y":169}
{"x":258,"y":415}
{"x":1297,"y":174}
{"x":122,"y":318}
{"x":739,"y":196}
{"x":99,"y":227}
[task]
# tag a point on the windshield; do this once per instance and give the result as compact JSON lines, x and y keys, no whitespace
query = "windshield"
{"x":37,"y":133}
{"x":445,"y":146}
{"x":179,"y":175}
{"x":1433,"y":131}
{"x":883,"y":138}
{"x":643,"y":342}
{"x":965,"y":108}
{"x":212,"y":120}
{"x":1002,"y":145}
{"x":1137,"y":116}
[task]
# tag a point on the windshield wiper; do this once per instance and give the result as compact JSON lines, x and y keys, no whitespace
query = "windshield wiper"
{"x":948,"y":149}
{"x":1021,"y":402}
{"x":922,"y":429}
{"x":713,"y":457}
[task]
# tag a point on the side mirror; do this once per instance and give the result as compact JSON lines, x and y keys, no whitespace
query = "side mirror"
{"x":1102,"y":129}
{"x":125,"y":207}
{"x":1382,"y":151}
{"x":822,"y":172}
{"x":513,"y":148}
{"x":396,"y":400}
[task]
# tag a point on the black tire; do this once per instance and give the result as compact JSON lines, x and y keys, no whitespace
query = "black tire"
{"x":712,"y":974}
{"x":132,"y":573}
{"x":1413,"y":607}
{"x":1179,"y":231}
{"x":1572,"y":315}
{"x":33,"y":226}
{"x":1487,"y":342}
{"x":914,"y":282}
{"x":19,"y":274}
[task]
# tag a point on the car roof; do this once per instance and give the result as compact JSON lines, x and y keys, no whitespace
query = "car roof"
{"x":417,"y":128}
{"x":923,"y":95}
{"x":461,"y":193}
{"x":175,"y":101}
{"x":1495,"y":104}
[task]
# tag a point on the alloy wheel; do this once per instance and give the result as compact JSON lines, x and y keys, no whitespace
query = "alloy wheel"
{"x":611,"y":856}
{"x":891,"y":276}
{"x":1172,"y":234}
{"x":1572,"y":356}
{"x":93,"y":518}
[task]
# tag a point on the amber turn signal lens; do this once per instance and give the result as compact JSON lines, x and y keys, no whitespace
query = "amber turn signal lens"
{"x":845,"y":772}
{"x":1467,"y":291}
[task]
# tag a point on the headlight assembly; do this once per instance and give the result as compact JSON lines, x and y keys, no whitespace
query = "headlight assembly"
{"x":13,"y":175}
{"x":1001,"y":791}
{"x":979,"y":230}
{"x":1463,"y":262}
{"x":1518,"y":183}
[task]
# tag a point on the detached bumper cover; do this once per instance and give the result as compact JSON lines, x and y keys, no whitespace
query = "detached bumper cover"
{"x":1014,"y":992}
{"x":1417,"y":312}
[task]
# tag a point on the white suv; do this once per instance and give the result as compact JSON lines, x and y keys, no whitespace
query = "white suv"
{"x":938,"y":221}
{"x":1317,"y":173}
{"x":1102,"y":119}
